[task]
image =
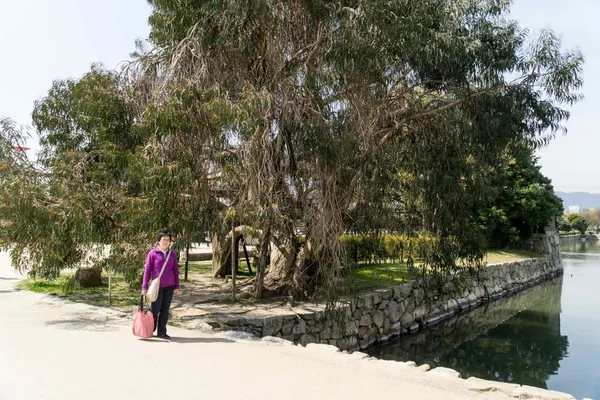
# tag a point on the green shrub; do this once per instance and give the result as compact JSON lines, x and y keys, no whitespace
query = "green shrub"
{"x":388,"y":247}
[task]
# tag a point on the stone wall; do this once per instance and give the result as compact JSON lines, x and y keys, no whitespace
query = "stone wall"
{"x":379,"y":316}
{"x":545,"y":245}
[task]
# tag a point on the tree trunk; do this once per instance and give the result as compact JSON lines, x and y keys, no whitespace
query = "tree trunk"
{"x":216,"y":254}
{"x":283,"y":256}
{"x":304,"y":274}
{"x":262,"y":264}
{"x":283,"y":267}
{"x":224,"y":253}
{"x":89,"y":277}
{"x":292,"y":272}
{"x":243,"y":240}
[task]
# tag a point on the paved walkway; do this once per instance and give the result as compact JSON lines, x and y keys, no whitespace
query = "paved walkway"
{"x":53,"y":349}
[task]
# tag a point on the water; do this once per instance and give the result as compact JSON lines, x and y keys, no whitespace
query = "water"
{"x":547,"y":336}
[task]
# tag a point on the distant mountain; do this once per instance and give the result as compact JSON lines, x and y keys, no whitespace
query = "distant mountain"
{"x":582,"y":199}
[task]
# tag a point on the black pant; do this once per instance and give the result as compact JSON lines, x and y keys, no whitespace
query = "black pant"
{"x":160,"y":308}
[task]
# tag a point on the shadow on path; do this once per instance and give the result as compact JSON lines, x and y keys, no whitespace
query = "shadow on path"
{"x":103,"y":324}
{"x":8,"y":279}
{"x":7,"y":291}
{"x":199,"y":340}
{"x":154,"y":339}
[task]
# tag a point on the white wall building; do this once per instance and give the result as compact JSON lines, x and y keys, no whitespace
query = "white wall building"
{"x":574,"y":210}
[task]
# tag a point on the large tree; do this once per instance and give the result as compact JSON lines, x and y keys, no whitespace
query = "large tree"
{"x":337,"y":112}
{"x":98,"y":193}
{"x":66,"y":207}
{"x":115,"y":181}
{"x":303,"y":120}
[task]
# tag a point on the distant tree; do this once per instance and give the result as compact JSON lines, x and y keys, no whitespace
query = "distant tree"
{"x":14,"y":166}
{"x":578,"y":222}
{"x":11,"y":137}
{"x":563,"y":225}
{"x":593,"y":218}
{"x":524,"y":199}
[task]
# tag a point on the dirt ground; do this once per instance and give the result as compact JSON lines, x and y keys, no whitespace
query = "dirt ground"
{"x":204,"y":298}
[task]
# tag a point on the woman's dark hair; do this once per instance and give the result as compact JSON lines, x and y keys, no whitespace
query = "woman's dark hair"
{"x":164,"y":233}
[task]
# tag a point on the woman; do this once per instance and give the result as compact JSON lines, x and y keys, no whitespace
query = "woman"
{"x":169,"y":281}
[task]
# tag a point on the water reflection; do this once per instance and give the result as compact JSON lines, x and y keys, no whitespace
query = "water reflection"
{"x":517,"y":339}
{"x":572,"y":246}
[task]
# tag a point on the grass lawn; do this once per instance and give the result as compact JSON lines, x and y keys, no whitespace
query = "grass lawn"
{"x":122,"y":295}
{"x":370,"y":276}
{"x":205,"y":268}
{"x":380,"y":275}
{"x":199,"y":267}
{"x":503,"y":256}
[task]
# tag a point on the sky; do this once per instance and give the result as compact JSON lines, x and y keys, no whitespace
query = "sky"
{"x":572,"y":161}
{"x":43,"y":40}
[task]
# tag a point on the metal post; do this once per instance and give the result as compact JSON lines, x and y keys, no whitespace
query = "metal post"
{"x":232,"y":259}
{"x":187,"y":258}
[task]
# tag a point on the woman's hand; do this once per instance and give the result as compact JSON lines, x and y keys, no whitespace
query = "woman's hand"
{"x":176,"y":292}
{"x":144,"y":292}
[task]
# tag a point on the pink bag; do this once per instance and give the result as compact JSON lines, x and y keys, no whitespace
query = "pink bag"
{"x":143,"y":321}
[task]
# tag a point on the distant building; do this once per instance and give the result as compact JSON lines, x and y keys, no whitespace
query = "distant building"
{"x":574,"y":210}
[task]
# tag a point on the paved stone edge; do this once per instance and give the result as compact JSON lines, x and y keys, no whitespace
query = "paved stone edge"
{"x":472,"y":384}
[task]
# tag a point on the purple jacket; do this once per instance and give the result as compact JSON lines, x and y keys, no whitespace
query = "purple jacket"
{"x":154,"y":263}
